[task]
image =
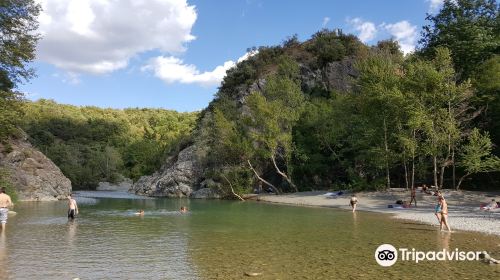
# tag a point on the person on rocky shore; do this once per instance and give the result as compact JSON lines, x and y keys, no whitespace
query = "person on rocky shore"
{"x":5,"y":203}
{"x":73,"y":207}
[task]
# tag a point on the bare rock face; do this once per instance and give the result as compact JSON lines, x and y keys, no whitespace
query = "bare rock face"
{"x":35,"y":177}
{"x":175,"y":179}
{"x":337,"y":75}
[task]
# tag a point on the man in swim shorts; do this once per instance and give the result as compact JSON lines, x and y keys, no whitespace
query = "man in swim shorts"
{"x":5,"y":203}
{"x":73,"y":207}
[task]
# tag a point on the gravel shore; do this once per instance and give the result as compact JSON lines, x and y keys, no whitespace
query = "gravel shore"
{"x":463,"y":206}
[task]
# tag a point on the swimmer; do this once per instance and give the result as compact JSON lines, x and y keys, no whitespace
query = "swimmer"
{"x":184,"y":209}
{"x":140,"y":213}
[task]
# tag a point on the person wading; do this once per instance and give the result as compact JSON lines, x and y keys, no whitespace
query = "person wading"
{"x":5,"y":203}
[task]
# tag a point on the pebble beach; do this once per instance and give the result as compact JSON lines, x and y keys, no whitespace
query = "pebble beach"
{"x":463,"y":206}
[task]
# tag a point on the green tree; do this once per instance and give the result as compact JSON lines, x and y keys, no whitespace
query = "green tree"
{"x":17,"y":48}
{"x":469,"y":28}
{"x":476,"y":156}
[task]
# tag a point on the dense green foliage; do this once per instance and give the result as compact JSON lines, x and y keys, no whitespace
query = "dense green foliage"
{"x":17,"y":48}
{"x":406,"y":120}
{"x":91,"y":144}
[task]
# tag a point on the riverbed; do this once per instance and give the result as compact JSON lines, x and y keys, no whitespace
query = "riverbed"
{"x":221,"y":240}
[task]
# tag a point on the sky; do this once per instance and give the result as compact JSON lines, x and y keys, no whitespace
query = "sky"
{"x":173,"y":54}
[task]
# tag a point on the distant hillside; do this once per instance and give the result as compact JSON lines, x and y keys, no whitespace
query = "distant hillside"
{"x":91,"y":144}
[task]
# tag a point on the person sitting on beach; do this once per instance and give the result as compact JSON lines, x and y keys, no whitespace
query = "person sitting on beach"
{"x":140,"y":213}
{"x":184,"y":209}
{"x":492,"y":205}
{"x":444,"y":214}
{"x":353,"y":202}
{"x":425,"y":189}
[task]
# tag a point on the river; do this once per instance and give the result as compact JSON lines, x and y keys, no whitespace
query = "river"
{"x":221,"y":240}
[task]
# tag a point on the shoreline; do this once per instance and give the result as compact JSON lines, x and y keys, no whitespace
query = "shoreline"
{"x":464,"y":213}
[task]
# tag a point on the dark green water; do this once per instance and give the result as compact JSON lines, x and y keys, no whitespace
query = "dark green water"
{"x":222,"y":240}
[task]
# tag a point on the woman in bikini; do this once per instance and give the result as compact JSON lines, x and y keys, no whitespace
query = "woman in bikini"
{"x":444,"y":214}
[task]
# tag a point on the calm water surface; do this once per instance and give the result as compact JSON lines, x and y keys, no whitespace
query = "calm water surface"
{"x":221,"y":240}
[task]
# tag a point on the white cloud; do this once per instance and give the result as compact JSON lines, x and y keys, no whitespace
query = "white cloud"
{"x":171,"y":69}
{"x":404,"y":33}
{"x":367,"y":30}
{"x":434,"y":5}
{"x":101,"y":36}
{"x":325,"y":21}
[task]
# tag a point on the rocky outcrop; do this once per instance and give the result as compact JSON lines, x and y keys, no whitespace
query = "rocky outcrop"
{"x":337,"y":76}
{"x":34,"y":176}
{"x":175,"y":179}
{"x":182,"y":176}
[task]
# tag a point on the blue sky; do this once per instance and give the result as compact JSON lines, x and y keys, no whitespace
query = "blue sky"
{"x":172,"y":54}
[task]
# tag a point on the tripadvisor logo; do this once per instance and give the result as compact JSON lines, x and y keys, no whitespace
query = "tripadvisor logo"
{"x":387,"y":255}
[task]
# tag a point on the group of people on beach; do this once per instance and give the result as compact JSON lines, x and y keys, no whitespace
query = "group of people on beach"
{"x":440,"y":210}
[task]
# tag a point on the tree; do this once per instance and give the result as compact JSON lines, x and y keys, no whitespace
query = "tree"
{"x":476,"y":156}
{"x":17,"y":48}
{"x":469,"y":28}
{"x":18,"y":23}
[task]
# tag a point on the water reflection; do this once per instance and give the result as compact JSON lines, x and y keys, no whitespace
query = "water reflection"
{"x":71,"y":236}
{"x":443,"y":240}
{"x":3,"y":254}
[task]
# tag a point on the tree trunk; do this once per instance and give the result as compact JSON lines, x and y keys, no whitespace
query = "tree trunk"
{"x":262,"y":180}
{"x":461,"y":180}
{"x":388,"y":177}
{"x":435,"y":172}
{"x":413,"y":161}
{"x":406,"y":171}
{"x":232,"y":190}
{"x":453,"y":162}
{"x":284,"y":175}
{"x":441,"y":176}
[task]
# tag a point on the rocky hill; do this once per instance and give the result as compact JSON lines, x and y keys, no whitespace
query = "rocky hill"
{"x":192,"y":172}
{"x":33,"y":175}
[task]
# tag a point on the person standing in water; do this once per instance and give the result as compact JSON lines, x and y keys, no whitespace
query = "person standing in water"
{"x":5,"y":203}
{"x":353,"y":202}
{"x":73,"y":207}
{"x":444,"y":214}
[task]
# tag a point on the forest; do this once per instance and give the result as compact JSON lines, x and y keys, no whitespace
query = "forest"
{"x":430,"y":117}
{"x":427,"y":117}
{"x":91,"y":145}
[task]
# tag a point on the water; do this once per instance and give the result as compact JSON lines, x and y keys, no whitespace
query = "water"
{"x":221,"y":240}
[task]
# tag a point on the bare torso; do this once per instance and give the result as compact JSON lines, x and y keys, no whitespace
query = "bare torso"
{"x":5,"y":200}
{"x":72,"y":204}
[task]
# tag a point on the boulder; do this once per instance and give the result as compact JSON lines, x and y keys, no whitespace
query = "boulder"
{"x":175,"y":179}
{"x":34,"y":176}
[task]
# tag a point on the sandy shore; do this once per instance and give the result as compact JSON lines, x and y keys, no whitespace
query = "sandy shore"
{"x":464,"y":212}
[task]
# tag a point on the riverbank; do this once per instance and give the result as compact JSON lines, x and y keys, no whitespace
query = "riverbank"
{"x":464,"y":212}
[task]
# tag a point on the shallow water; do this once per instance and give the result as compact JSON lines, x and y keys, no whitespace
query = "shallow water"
{"x":221,"y":240}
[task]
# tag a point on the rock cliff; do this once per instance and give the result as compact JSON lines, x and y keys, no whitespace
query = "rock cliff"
{"x":182,"y":176}
{"x":34,"y":176}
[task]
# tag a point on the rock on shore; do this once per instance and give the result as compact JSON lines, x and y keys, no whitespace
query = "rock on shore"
{"x":34,"y":176}
{"x":175,"y":179}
